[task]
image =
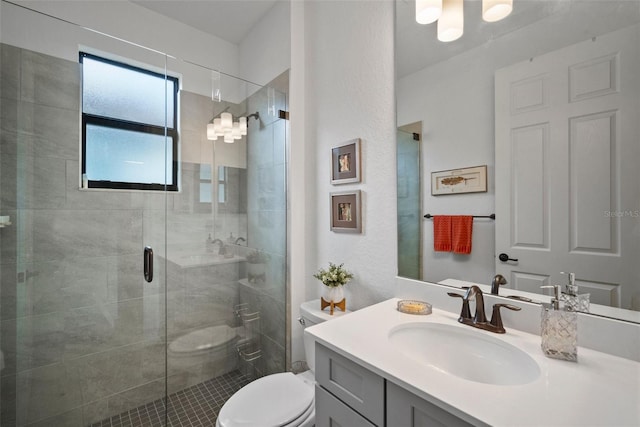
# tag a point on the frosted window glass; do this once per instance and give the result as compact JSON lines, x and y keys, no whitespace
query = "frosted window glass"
{"x":117,"y":92}
{"x":205,"y":172}
{"x":221,"y":196}
{"x":127,"y":156}
{"x":205,"y":192}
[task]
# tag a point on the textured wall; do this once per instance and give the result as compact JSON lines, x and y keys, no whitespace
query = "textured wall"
{"x":350,"y":94}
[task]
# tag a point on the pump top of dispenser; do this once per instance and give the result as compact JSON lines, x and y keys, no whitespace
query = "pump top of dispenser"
{"x":555,"y":300}
{"x":572,"y":301}
{"x":572,"y":288}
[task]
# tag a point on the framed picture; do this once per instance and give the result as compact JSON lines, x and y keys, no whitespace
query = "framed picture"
{"x":345,"y":163}
{"x":345,"y":212}
{"x":458,"y":181}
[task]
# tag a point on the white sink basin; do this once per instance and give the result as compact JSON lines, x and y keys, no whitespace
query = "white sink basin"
{"x":466,"y":353}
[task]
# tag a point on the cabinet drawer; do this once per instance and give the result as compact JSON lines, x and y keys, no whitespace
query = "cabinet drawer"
{"x":359,"y":388}
{"x":330,"y":412}
{"x":408,"y":410}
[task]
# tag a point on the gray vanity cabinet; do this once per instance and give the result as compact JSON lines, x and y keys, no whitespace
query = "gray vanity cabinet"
{"x":331,"y":412}
{"x":405,"y":409}
{"x":360,"y":389}
{"x":348,"y":394}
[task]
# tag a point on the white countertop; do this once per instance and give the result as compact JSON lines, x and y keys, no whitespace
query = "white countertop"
{"x":599,"y":389}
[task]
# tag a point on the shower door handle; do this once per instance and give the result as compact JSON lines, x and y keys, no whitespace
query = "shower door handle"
{"x":148,"y":263}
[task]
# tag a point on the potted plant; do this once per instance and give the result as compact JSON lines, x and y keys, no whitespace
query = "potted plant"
{"x":257,"y":265}
{"x":334,"y":280}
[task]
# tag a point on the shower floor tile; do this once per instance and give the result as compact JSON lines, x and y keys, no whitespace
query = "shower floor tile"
{"x":195,"y":406}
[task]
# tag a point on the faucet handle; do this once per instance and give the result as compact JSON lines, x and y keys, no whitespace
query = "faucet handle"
{"x":465,"y":313}
{"x":496,"y":318}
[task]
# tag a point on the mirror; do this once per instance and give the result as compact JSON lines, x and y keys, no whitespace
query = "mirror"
{"x":448,"y":92}
{"x":231,"y":194}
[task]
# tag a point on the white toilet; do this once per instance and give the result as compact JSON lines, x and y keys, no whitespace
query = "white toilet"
{"x":204,"y":349}
{"x":281,"y":399}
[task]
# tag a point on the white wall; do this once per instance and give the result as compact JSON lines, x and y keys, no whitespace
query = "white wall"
{"x":301,"y":186}
{"x":266,"y":51}
{"x":348,"y":93}
{"x":124,"y":20}
{"x":352,"y":96}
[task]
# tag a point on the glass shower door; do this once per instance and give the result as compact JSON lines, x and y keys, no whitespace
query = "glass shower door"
{"x":226,"y":239}
{"x":82,"y":334}
{"x":409,"y":203}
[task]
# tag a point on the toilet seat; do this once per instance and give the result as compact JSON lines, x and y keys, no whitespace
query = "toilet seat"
{"x":276,"y":400}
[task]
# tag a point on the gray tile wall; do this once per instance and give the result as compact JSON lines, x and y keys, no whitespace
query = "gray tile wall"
{"x":83,"y":336}
{"x":267,"y":217}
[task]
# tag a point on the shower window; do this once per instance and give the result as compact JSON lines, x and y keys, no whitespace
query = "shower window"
{"x":129,"y":126}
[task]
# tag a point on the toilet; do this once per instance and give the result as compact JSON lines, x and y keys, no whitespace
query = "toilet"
{"x":282,"y":399}
{"x":205,"y":348}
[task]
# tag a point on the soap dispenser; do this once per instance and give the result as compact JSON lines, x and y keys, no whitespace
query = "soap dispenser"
{"x":570,"y":297}
{"x":559,"y":329}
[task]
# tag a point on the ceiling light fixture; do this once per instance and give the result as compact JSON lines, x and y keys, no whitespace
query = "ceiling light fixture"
{"x":495,"y":10}
{"x":428,"y":11}
{"x":227,"y":128}
{"x":450,"y":15}
{"x":451,"y":22}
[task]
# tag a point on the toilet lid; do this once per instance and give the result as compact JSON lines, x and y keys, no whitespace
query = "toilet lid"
{"x":274,"y":400}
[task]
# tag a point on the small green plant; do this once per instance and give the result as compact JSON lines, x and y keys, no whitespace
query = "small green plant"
{"x":257,"y":256}
{"x":334,"y":276}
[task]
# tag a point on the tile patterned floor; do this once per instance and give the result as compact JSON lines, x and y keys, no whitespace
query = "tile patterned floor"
{"x":192,"y":407}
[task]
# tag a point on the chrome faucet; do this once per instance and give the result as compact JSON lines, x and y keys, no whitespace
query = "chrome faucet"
{"x":479,"y":320}
{"x":222,"y":250}
{"x":240,"y":239}
{"x":498,"y":280}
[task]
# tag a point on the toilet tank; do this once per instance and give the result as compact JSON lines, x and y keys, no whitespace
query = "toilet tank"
{"x":311,"y":314}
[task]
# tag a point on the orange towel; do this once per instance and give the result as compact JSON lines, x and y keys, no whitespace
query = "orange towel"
{"x":442,"y":233}
{"x":461,"y":233}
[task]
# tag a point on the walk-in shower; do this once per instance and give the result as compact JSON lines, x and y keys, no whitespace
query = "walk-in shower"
{"x":84,"y":338}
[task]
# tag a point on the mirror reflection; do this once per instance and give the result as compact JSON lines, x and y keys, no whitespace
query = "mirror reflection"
{"x":547,"y":99}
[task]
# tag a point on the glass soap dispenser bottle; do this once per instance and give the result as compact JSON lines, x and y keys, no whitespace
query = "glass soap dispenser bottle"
{"x":559,"y":329}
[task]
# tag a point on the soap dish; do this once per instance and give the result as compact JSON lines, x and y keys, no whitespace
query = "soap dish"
{"x":414,"y":307}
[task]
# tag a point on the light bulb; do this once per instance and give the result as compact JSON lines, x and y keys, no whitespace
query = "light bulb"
{"x":495,"y":10}
{"x":217,"y":127}
{"x":228,"y":137}
{"x":236,"y":131}
{"x":451,"y":22}
{"x":211,"y":132}
{"x":428,"y":11}
{"x":243,"y":125}
{"x":227,"y":121}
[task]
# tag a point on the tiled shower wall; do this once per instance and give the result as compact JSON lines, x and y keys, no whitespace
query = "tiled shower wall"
{"x":82,"y":334}
{"x":267,"y":217}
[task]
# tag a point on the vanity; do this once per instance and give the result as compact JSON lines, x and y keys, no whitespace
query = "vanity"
{"x":381,"y":367}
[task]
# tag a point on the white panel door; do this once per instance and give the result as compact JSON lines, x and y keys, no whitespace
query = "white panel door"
{"x":567,"y":168}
